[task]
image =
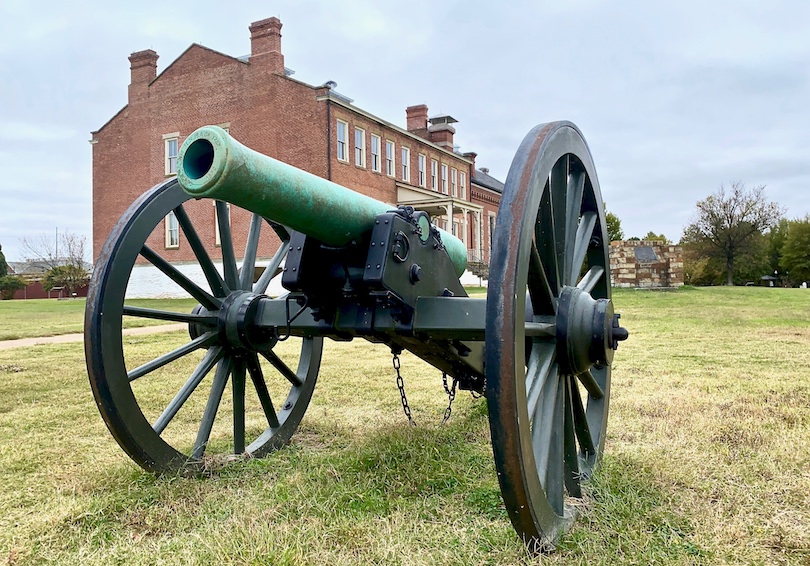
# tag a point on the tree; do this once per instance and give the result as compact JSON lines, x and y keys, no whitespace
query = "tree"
{"x":614,"y":227}
{"x":796,"y":250}
{"x":66,"y":249}
{"x":727,"y":224}
{"x":70,"y":276}
{"x":776,"y":241}
{"x":657,"y":237}
{"x":10,"y":284}
{"x":3,"y":264}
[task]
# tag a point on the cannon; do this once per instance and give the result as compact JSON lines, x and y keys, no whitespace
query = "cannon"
{"x":539,"y":347}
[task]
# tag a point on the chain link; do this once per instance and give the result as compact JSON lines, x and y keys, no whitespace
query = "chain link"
{"x":451,"y":395}
{"x":401,"y":385}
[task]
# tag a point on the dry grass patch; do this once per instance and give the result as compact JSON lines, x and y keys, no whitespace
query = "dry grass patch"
{"x":706,"y":460}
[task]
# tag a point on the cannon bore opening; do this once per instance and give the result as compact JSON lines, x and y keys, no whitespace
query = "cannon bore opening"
{"x":198,"y":159}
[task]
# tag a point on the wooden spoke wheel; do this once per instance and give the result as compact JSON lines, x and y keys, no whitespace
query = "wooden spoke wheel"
{"x":550,"y":331}
{"x":166,"y":399}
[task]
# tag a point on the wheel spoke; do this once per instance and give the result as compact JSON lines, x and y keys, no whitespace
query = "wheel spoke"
{"x":591,"y":278}
{"x":252,"y":245}
{"x":213,"y":277}
{"x":547,"y":439}
{"x":588,"y":381}
{"x":581,"y":428}
{"x":544,"y":242}
{"x":156,"y":314}
{"x":538,"y":371}
{"x":205,"y":298}
{"x":257,"y":377}
{"x":226,"y":244}
{"x":543,"y":301}
{"x":238,"y":384}
{"x":581,"y":241}
{"x":558,"y":188}
{"x":572,"y":473}
{"x":212,"y":356}
{"x":282,"y":368}
{"x":575,"y":190}
{"x":202,"y":341}
{"x":272,"y":268}
{"x":214,"y":399}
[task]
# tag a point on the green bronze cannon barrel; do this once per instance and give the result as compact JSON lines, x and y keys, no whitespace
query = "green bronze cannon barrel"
{"x":214,"y":165}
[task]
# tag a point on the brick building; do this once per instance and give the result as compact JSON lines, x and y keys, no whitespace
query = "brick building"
{"x":311,"y":127}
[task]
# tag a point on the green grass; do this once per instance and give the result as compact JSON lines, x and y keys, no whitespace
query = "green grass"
{"x":49,"y":317}
{"x":706,"y":460}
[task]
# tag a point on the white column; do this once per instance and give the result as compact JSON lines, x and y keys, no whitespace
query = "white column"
{"x":464,"y":227}
{"x":450,"y":216}
{"x":477,"y":238}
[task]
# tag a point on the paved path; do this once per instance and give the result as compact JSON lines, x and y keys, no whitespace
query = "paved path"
{"x":64,"y":338}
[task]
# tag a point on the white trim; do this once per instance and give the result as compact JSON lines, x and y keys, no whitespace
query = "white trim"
{"x":444,"y":178}
{"x":462,"y":183}
{"x":376,"y":166}
{"x":342,"y":143}
{"x":360,"y":150}
{"x":171,"y":148}
{"x":390,"y":160}
{"x":422,"y":164}
{"x":172,"y":227}
{"x":434,"y":175}
{"x":406,"y":164}
{"x":454,"y":181}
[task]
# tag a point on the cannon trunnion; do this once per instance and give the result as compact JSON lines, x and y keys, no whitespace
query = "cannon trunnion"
{"x":540,"y":346}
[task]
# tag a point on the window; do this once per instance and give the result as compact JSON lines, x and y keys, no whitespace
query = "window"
{"x":454,"y":181}
{"x":462,"y":182}
{"x":456,"y":227}
{"x":491,"y":229}
{"x":170,"y":142}
{"x":375,"y":153}
{"x":172,"y":231}
{"x":359,"y":147}
{"x":217,"y":239}
{"x":434,"y":174}
{"x":342,"y":136}
{"x":444,"y":178}
{"x":422,"y":170}
{"x":389,"y":158}
{"x":406,"y":164}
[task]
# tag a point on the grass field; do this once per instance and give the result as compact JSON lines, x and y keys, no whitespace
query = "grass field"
{"x":707,"y":459}
{"x":49,"y":317}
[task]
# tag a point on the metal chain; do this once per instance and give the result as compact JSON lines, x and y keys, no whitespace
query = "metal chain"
{"x":401,"y":386}
{"x":451,"y":395}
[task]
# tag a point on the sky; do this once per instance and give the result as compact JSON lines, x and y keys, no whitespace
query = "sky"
{"x":673,"y":98}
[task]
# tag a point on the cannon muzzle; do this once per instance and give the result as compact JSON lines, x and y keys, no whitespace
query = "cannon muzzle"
{"x":214,"y":165}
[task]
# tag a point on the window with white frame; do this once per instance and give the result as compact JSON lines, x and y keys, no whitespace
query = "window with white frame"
{"x":491,"y":229}
{"x":422,"y":164}
{"x":375,"y":153}
{"x":172,"y":231}
{"x":444,"y":178}
{"x":342,"y":140}
{"x":389,"y":158}
{"x":360,"y":147}
{"x":434,"y":174}
{"x":171,"y":145}
{"x":454,"y":181}
{"x":456,"y":228}
{"x":406,"y":164}
{"x":462,"y":183}
{"x":217,"y":239}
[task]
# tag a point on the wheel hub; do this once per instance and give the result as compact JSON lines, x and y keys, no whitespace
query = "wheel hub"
{"x":236,"y":323}
{"x":588,"y":331}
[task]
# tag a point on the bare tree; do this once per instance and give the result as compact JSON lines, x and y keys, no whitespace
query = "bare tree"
{"x":727,"y":223}
{"x":66,"y":248}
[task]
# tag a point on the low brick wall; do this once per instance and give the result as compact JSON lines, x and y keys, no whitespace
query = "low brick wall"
{"x":645,"y":264}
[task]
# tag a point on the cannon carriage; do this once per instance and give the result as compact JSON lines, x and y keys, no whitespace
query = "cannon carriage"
{"x":539,"y":347}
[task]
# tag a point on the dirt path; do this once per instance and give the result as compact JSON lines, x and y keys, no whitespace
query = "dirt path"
{"x":64,"y":338}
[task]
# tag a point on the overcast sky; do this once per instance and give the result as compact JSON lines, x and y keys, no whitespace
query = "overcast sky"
{"x":674,"y":98}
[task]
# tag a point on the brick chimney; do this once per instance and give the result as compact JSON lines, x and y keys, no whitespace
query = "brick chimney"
{"x":143,"y":68}
{"x":265,"y":45}
{"x":417,"y":119}
{"x":471,"y":155}
{"x":441,"y":131}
